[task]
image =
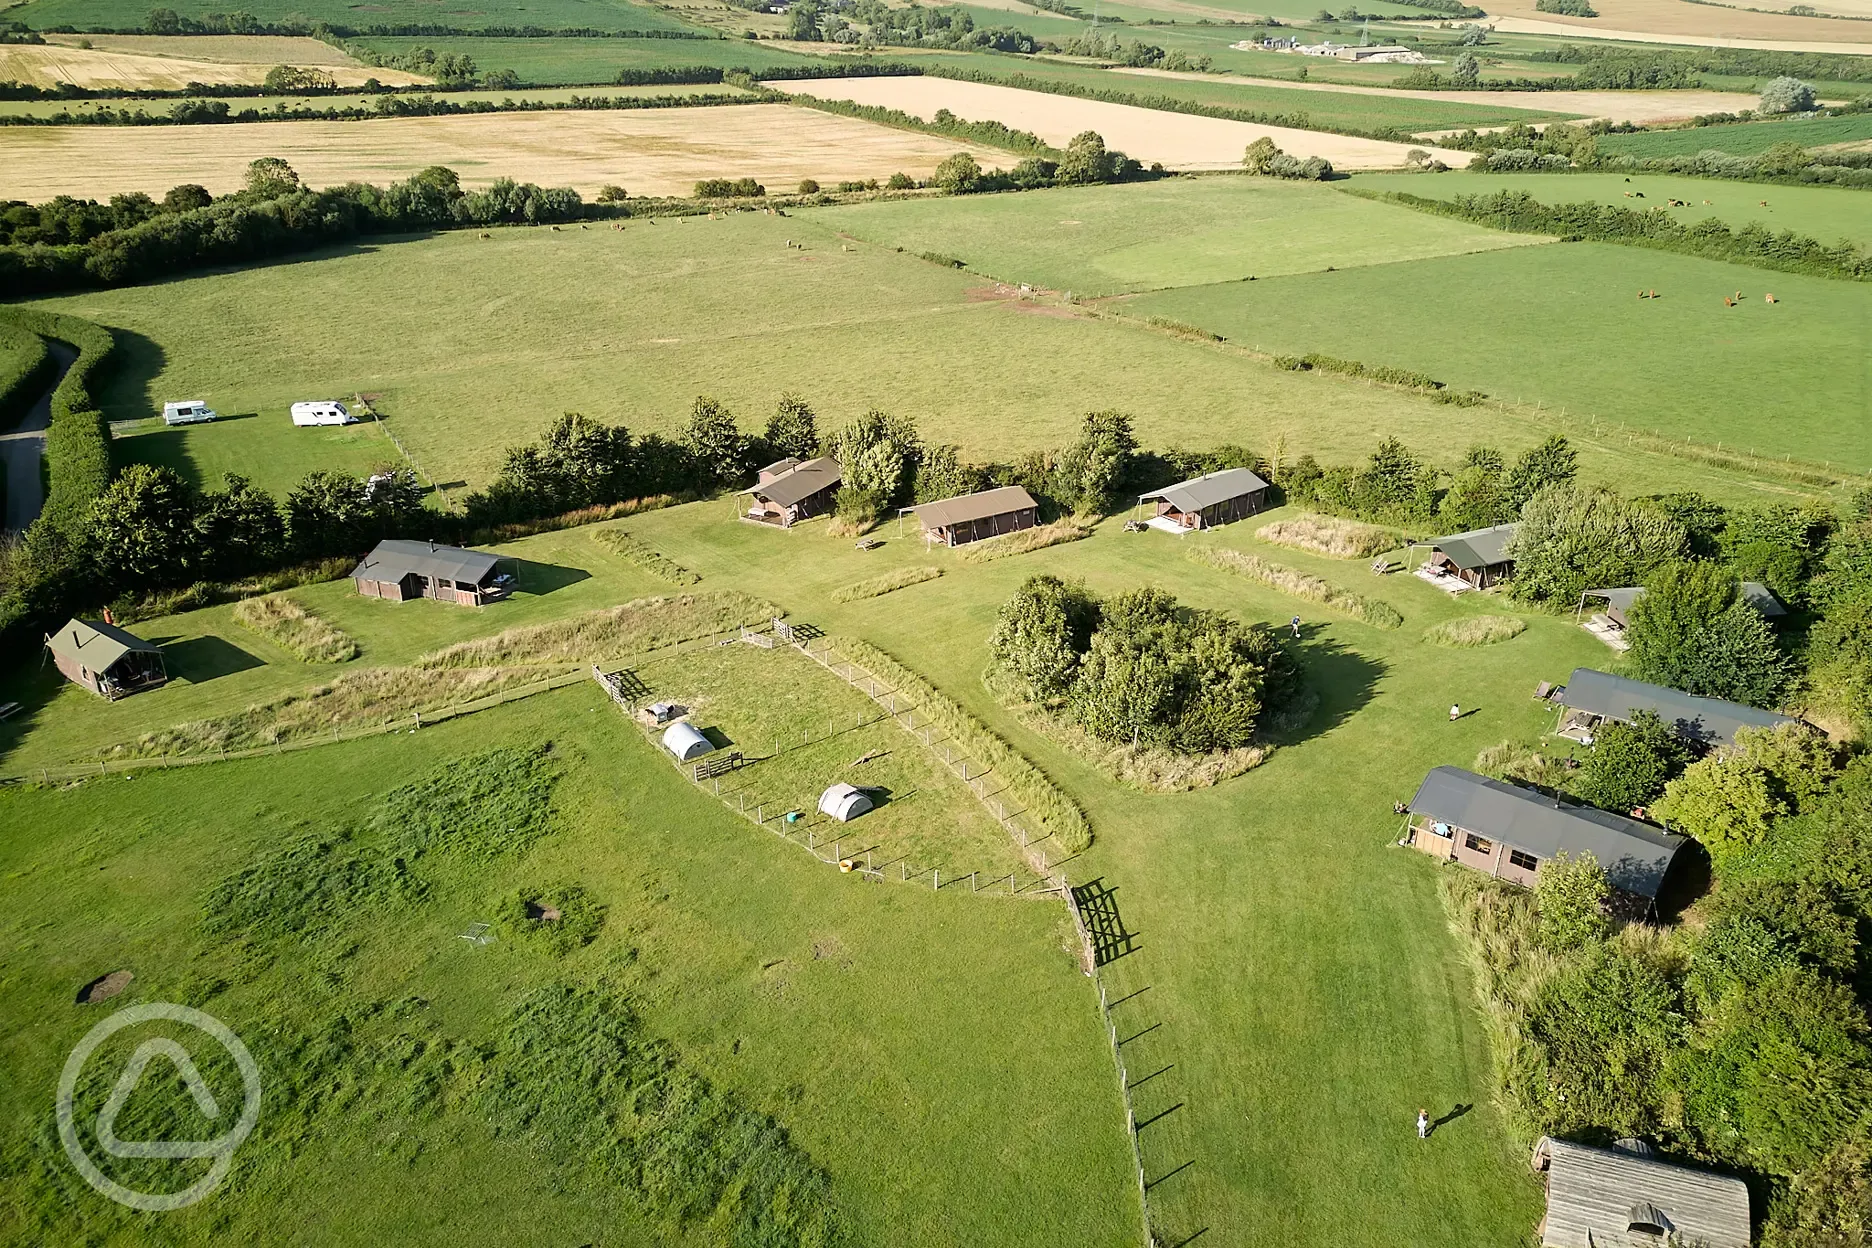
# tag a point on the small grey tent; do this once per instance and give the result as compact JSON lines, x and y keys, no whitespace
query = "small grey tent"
{"x":682,"y":740}
{"x":844,"y":802}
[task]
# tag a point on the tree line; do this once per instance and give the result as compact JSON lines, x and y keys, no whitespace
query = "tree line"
{"x":205,"y":112}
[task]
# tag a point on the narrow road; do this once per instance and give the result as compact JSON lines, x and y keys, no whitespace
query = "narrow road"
{"x":22,"y":447}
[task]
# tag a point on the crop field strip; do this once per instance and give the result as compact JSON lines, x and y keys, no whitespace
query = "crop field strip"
{"x":52,"y":65}
{"x":163,"y":105}
{"x":607,"y":15}
{"x":1741,"y":140}
{"x":574,"y":61}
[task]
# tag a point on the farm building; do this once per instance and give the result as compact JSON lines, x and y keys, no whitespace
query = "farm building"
{"x":1211,"y":499}
{"x":105,"y":659}
{"x":844,"y":802}
{"x":971,"y":517}
{"x":1590,"y":697}
{"x":1619,"y":601}
{"x":400,"y":570}
{"x":1478,"y":557}
{"x":1624,"y":1195}
{"x":788,"y":491}
{"x":682,"y":740}
{"x":1507,"y":831}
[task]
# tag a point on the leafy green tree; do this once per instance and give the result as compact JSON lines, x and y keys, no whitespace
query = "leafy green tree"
{"x":1606,"y":1025}
{"x":1724,"y":803}
{"x":715,"y":441}
{"x":1553,"y":462}
{"x":958,"y":174}
{"x":1570,"y":898}
{"x":1476,"y":498}
{"x":1467,"y":69}
{"x":1087,"y":162}
{"x":329,"y":513}
{"x":876,"y":454}
{"x":1778,"y":546}
{"x":1665,"y":626}
{"x":240,"y":529}
{"x":142,"y":528}
{"x":1702,"y":520}
{"x":270,"y":177}
{"x":1572,"y":538}
{"x":1737,"y":657}
{"x":1259,"y":155}
{"x":803,"y":21}
{"x":1389,"y":485}
{"x":186,"y":198}
{"x":943,"y":473}
{"x":1787,"y":95}
{"x":1041,"y":633}
{"x":1631,"y":763}
{"x":793,"y":429}
{"x":1087,"y":474}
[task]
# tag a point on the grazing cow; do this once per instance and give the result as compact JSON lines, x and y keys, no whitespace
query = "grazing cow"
{"x":1764,"y":203}
{"x":1770,"y":299}
{"x":1728,"y":302}
{"x":1706,"y":201}
{"x":1638,"y":194}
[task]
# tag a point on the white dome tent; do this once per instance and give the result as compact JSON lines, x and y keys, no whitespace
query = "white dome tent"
{"x":844,"y":802}
{"x":682,"y":740}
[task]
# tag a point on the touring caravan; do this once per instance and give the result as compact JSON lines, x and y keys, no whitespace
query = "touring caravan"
{"x":322,"y":412}
{"x":187,"y":412}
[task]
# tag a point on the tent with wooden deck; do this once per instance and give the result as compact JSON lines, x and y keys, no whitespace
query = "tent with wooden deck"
{"x":1592,"y":697}
{"x":105,"y":659}
{"x":1211,"y":499}
{"x":972,"y":517}
{"x":1479,"y":557}
{"x":1619,"y":601}
{"x":400,"y":570}
{"x":788,"y":491}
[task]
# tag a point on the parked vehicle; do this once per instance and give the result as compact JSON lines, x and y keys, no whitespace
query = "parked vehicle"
{"x":187,"y":412}
{"x":322,"y":412}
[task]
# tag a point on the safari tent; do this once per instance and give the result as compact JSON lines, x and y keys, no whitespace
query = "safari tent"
{"x":682,"y":740}
{"x":1591,"y":697}
{"x":788,"y":491}
{"x":1478,"y":557}
{"x":844,"y":802}
{"x":105,"y":659}
{"x":972,"y":517}
{"x":400,"y":570}
{"x":1211,"y":499}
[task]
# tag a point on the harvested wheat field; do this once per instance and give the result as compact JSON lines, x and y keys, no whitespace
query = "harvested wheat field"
{"x":48,"y":65}
{"x":649,"y":151}
{"x":1638,"y":107}
{"x":233,"y":49}
{"x":1178,"y":140}
{"x":1703,"y":25}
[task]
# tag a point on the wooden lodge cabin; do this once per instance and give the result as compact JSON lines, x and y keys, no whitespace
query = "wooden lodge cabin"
{"x":972,"y":517}
{"x":1590,"y":697}
{"x":1479,"y":557}
{"x":400,"y":570}
{"x":105,"y":659}
{"x":1623,"y":1195}
{"x":1211,"y":499}
{"x":1507,"y":831}
{"x":788,"y":491}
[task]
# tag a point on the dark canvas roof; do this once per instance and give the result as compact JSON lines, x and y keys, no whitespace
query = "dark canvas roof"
{"x":1595,"y":1194}
{"x":1754,"y":593}
{"x":1478,"y":548}
{"x":95,"y":644}
{"x":395,"y":559}
{"x":1708,"y":720}
{"x":1208,"y":490}
{"x":799,"y":482}
{"x":966,"y":507}
{"x":1635,"y":855}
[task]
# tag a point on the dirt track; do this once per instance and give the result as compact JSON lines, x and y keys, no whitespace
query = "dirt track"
{"x":648,"y":151}
{"x":1178,"y":140}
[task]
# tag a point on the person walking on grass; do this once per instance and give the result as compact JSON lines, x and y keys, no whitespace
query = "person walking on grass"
{"x":1423,"y":1124}
{"x":1455,"y":712}
{"x":1295,"y":625}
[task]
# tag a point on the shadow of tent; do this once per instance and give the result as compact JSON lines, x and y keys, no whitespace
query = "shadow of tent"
{"x":544,"y":578}
{"x":716,"y":737}
{"x":201,"y":659}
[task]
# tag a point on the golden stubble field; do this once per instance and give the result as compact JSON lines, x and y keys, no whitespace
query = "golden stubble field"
{"x":1178,"y":140}
{"x":649,"y":151}
{"x":1674,"y":21}
{"x":138,"y":63}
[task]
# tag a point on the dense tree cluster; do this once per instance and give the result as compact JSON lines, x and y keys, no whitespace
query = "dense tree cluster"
{"x":1139,"y":669}
{"x":1395,"y":486}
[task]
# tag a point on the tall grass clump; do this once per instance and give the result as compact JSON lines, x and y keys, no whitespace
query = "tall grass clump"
{"x":293,"y":628}
{"x":633,"y":548}
{"x":1477,"y":630}
{"x":1064,"y":530}
{"x":1045,"y":804}
{"x":1331,"y":535}
{"x":1301,"y":585}
{"x":884,"y":583}
{"x":643,"y":624}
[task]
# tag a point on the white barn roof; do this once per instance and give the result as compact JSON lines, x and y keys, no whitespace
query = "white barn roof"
{"x":1600,"y":1196}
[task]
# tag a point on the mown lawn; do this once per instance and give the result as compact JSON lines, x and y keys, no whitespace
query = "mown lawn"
{"x":1307,"y":996}
{"x":1828,"y":213}
{"x":1563,"y":326}
{"x":475,"y":345}
{"x":1178,"y":232}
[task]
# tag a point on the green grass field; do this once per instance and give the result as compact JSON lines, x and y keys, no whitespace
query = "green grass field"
{"x":1308,"y":997}
{"x":1179,"y":232}
{"x":1740,"y":140}
{"x":1320,"y":108}
{"x":1827,"y":213}
{"x":629,"y":326}
{"x":1562,"y":326}
{"x":554,"y":62}
{"x":550,"y":14}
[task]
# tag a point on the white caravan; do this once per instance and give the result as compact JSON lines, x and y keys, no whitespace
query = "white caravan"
{"x":322,"y":412}
{"x":187,"y":412}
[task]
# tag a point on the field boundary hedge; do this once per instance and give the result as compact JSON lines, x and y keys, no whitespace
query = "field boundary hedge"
{"x":26,"y":365}
{"x":77,"y":447}
{"x":386,"y":107}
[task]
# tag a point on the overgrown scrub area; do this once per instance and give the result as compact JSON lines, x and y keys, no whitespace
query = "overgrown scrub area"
{"x":884,"y":583}
{"x":1476,"y":630}
{"x":294,"y":628}
{"x":1330,"y":535}
{"x":643,"y":624}
{"x":1027,"y":540}
{"x":1300,"y":584}
{"x":1056,"y":813}
{"x":1738,"y":1037}
{"x":628,"y":545}
{"x":1139,"y":669}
